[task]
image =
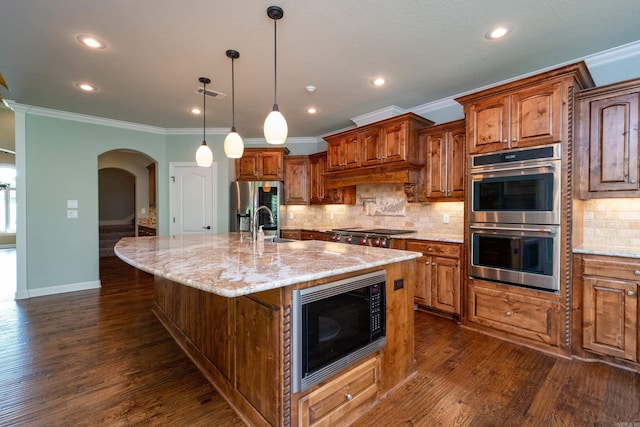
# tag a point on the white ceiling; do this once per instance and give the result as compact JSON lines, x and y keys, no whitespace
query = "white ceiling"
{"x":157,"y":49}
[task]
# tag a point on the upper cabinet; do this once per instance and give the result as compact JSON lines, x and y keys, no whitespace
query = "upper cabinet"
{"x":525,"y":113}
{"x":608,"y":143}
{"x":152,"y":184}
{"x":387,"y":151}
{"x":319,"y":195}
{"x":261,"y":164}
{"x":444,"y":172}
{"x":296,"y":180}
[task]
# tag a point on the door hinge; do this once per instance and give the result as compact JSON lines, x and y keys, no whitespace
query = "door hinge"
{"x":173,"y":178}
{"x":174,"y":219}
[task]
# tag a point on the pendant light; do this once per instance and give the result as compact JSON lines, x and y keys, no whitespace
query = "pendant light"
{"x":233,"y":145}
{"x":275,"y":126}
{"x":204,"y":156}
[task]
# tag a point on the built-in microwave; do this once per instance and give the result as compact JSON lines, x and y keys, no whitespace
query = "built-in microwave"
{"x":516,"y":186}
{"x":336,"y":324}
{"x":520,"y":255}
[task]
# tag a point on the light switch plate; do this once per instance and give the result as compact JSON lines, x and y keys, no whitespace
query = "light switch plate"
{"x":72,"y":204}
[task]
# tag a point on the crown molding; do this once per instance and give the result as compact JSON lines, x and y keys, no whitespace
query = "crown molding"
{"x":616,"y":54}
{"x":83,"y":118}
{"x":295,"y":140}
{"x":424,"y":109}
{"x":376,"y":116}
{"x":196,"y":131}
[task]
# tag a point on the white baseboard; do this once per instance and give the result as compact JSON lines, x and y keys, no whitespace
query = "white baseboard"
{"x":52,"y":290}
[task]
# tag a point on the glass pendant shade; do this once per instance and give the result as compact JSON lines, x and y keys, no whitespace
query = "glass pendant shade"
{"x":204,"y":155}
{"x":275,"y":128}
{"x":233,"y":145}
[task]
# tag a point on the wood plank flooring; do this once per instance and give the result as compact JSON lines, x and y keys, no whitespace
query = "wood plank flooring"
{"x":100,"y":357}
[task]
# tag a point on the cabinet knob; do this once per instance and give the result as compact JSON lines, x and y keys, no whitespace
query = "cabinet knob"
{"x":433,"y":263}
{"x":514,"y":139}
{"x":429,"y":249}
{"x":348,"y":396}
{"x":505,"y":140}
{"x":637,"y":272}
{"x":508,"y":314}
{"x":633,"y":181}
{"x":630,"y":293}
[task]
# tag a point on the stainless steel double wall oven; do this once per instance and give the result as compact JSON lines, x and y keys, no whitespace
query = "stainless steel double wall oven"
{"x":514,"y":217}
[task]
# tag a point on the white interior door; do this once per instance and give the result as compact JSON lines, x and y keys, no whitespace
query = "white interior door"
{"x":192,"y":197}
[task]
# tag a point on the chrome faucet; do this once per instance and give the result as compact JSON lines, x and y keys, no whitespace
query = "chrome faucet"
{"x":254,"y":228}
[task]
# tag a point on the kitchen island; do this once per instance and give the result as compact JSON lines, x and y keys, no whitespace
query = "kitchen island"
{"x":227,"y":301}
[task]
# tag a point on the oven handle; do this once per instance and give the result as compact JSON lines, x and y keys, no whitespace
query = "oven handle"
{"x":514,"y":168}
{"x":539,"y":230}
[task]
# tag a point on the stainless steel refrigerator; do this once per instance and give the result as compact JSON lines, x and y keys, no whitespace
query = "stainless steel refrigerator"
{"x":247,"y":196}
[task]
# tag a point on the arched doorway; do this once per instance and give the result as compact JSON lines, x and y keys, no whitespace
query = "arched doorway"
{"x":127,"y":196}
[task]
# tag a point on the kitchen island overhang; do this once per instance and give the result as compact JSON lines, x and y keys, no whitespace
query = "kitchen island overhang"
{"x":227,"y":301}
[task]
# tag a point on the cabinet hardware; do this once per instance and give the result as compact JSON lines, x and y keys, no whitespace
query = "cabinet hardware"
{"x":633,"y":181}
{"x":508,"y":314}
{"x":514,"y":139}
{"x":637,"y":272}
{"x":630,"y":293}
{"x":429,"y":249}
{"x":348,"y":396}
{"x":433,"y":263}
{"x":505,"y":140}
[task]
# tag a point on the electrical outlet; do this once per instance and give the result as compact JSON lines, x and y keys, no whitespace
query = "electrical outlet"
{"x":331,"y":216}
{"x":445,"y":219}
{"x":290,"y":215}
{"x":398,"y":284}
{"x":72,"y":213}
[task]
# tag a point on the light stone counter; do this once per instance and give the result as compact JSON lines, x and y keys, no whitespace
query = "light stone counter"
{"x":609,"y":250}
{"x":428,"y":236}
{"x":231,"y":265}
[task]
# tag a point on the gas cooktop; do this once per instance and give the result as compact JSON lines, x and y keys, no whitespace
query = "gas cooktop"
{"x":385,"y":231}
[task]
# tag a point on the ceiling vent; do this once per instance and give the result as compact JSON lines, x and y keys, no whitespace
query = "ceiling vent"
{"x":211,"y":93}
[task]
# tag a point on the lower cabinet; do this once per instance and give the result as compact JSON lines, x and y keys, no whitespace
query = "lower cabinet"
{"x":339,"y":399}
{"x":502,"y":308}
{"x":610,"y":306}
{"x":291,"y":234}
{"x":437,"y":275}
{"x":303,"y":235}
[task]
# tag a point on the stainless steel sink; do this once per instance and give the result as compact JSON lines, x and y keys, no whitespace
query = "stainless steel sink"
{"x":277,"y":240}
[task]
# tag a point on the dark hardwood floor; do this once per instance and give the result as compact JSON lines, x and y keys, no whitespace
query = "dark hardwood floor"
{"x":100,"y":357}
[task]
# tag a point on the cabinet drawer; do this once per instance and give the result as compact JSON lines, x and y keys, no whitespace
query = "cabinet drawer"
{"x":525,"y":316}
{"x":431,"y":248}
{"x":611,"y":268}
{"x":312,"y":235}
{"x":341,"y":397}
{"x":290,"y":234}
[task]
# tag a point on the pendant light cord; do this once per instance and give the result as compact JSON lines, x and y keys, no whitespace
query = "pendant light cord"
{"x":204,"y":111}
{"x":275,"y":65}
{"x":233,"y":97}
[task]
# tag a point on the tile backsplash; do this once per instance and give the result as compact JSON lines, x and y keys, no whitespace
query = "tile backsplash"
{"x":380,"y":206}
{"x":613,"y":222}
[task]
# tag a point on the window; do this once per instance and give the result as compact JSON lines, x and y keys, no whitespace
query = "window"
{"x":7,"y":199}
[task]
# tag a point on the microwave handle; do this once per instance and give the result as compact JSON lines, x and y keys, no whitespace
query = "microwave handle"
{"x":515,"y":168}
{"x":539,"y":230}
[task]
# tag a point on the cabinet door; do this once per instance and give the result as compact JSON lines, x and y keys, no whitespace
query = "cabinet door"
{"x":296,"y":184}
{"x":436,"y":165}
{"x":536,"y":116}
{"x":422,"y":293}
{"x":456,"y":141}
{"x":271,"y":166}
{"x":488,"y":125}
{"x":445,"y":284}
{"x":610,"y":317}
{"x":613,"y":144}
{"x":335,"y":155}
{"x":351,"y":152}
{"x":370,"y":143}
{"x":317,"y":164}
{"x":247,"y":167}
{"x":394,"y":142}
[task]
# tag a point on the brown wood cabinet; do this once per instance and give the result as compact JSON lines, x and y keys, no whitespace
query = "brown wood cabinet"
{"x":303,"y":235}
{"x":343,"y":152}
{"x":296,"y":180}
{"x":337,"y":400}
{"x":445,"y":153}
{"x":608,"y":142}
{"x":291,"y":234}
{"x":516,"y":312}
{"x":146,"y":231}
{"x":524,"y":113}
{"x":610,"y":306}
{"x":319,"y":195}
{"x":261,"y":164}
{"x":437,"y":275}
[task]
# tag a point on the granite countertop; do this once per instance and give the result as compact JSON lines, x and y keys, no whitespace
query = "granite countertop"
{"x":231,"y":265}
{"x":610,"y":250}
{"x":414,"y":236}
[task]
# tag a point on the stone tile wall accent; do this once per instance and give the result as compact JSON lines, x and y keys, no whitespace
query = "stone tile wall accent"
{"x":612,"y":222}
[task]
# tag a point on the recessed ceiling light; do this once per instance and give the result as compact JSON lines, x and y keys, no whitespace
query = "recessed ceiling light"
{"x":379,"y":81}
{"x":91,"y":41}
{"x":87,"y":87}
{"x":195,"y":110}
{"x":312,"y":110}
{"x":497,"y":32}
{"x":310,"y":88}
